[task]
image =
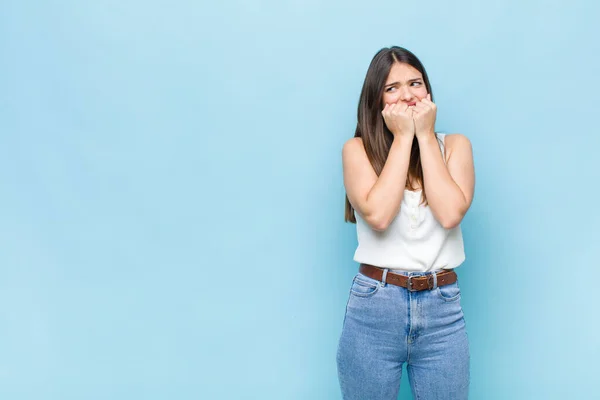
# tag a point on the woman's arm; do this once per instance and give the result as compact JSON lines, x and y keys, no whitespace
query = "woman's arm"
{"x":376,"y":199}
{"x":449,"y":187}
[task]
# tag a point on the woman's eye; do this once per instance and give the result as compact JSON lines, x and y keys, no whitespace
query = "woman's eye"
{"x":390,"y":89}
{"x":416,"y":83}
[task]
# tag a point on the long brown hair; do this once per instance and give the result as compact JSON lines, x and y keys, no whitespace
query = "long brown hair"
{"x":377,"y":138}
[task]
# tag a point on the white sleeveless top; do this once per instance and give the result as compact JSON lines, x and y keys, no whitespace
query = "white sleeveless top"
{"x":414,"y":241}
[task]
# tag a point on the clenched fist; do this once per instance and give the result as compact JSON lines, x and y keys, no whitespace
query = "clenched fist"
{"x":424,"y":113}
{"x":398,"y":118}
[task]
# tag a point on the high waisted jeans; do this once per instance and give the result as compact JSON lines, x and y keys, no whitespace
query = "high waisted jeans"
{"x":387,"y":325}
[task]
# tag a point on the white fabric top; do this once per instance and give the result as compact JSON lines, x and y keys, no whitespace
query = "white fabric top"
{"x":414,"y":241}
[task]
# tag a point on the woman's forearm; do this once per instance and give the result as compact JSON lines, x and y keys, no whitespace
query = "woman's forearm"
{"x":384,"y":199}
{"x":444,"y":196}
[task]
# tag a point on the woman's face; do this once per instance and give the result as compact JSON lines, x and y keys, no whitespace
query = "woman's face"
{"x":404,"y":85}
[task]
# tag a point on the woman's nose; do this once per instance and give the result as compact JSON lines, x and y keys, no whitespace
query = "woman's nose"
{"x":405,"y":94}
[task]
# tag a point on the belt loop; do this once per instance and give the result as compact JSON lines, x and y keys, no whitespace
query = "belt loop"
{"x":384,"y":276}
{"x":434,"y":280}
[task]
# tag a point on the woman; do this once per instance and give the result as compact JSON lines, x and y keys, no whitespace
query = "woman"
{"x":407,"y":190}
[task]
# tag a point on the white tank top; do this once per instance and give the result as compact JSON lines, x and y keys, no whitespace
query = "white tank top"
{"x":414,"y":241}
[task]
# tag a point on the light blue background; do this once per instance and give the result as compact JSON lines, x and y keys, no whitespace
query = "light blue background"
{"x":171,"y":221}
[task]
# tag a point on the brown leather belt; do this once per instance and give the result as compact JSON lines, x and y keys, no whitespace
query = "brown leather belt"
{"x":413,"y":283}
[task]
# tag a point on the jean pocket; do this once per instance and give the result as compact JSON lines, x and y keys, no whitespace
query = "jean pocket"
{"x":449,"y":292}
{"x":363,"y":288}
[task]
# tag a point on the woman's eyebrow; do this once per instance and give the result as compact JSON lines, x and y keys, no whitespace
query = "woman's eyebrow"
{"x":409,"y":81}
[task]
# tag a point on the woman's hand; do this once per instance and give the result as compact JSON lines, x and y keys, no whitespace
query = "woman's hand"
{"x":424,"y":113}
{"x":399,"y":119}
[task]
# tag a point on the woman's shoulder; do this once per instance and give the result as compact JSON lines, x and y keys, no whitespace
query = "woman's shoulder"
{"x":354,"y":141}
{"x":455,"y":141}
{"x":353,"y":144}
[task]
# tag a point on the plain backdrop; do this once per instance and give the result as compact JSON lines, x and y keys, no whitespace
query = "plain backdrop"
{"x":171,"y":195}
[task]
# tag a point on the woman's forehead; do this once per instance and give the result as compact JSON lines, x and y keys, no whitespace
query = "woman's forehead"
{"x":402,"y":72}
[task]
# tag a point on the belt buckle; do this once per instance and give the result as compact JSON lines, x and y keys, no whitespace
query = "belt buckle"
{"x":430,"y":282}
{"x":409,"y":285}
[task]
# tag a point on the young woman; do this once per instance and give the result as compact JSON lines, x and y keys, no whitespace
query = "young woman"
{"x":407,"y":190}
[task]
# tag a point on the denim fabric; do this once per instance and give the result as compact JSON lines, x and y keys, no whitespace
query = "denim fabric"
{"x":387,"y":325}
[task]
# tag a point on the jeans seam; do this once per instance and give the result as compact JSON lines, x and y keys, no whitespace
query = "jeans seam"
{"x":417,"y":394}
{"x":409,"y":330}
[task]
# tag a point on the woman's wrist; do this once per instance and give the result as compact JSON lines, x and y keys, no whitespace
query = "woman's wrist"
{"x":428,"y":135}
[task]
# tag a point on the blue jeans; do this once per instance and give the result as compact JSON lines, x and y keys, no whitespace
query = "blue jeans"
{"x":387,"y":325}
